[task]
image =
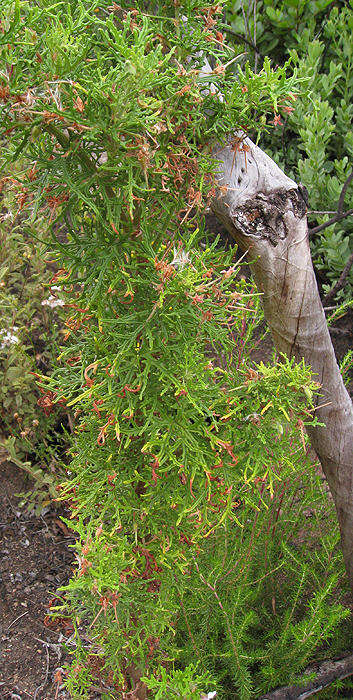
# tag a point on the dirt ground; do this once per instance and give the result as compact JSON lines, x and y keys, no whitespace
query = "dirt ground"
{"x":34,"y":560}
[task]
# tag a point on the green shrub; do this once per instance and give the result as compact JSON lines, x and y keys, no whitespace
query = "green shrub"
{"x":183,"y":449}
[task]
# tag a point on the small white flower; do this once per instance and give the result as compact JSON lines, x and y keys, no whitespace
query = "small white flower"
{"x":103,"y":158}
{"x":8,"y":337}
{"x":181,"y":259}
{"x":53,"y":302}
{"x":251,"y":417}
{"x":209,"y":696}
{"x":30,"y":97}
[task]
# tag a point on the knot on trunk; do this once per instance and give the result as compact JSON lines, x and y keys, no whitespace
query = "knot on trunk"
{"x":264,"y":215}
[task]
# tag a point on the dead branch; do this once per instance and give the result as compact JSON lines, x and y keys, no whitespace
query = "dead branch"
{"x":244,"y":40}
{"x":340,"y":214}
{"x":340,"y":282}
{"x":343,"y":193}
{"x":337,"y":217}
{"x":326,"y":673}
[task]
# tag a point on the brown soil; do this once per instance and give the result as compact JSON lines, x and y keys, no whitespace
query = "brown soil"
{"x":34,"y":561}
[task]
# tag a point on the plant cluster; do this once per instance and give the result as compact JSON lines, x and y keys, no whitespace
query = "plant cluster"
{"x":28,"y":344}
{"x":314,"y":143}
{"x":183,"y":450}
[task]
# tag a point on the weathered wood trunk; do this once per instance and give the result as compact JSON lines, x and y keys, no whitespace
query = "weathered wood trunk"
{"x":265,"y":212}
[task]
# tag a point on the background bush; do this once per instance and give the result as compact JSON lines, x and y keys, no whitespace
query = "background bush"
{"x":29,"y":338}
{"x":314,"y":143}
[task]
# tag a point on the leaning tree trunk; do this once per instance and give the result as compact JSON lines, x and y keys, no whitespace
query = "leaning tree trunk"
{"x":265,"y":212}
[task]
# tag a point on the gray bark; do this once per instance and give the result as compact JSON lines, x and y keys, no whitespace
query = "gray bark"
{"x":265,"y":213}
{"x":326,"y":673}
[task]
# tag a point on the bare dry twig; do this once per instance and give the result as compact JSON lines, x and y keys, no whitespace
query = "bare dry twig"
{"x":339,"y":214}
{"x":243,"y":39}
{"x":337,"y":217}
{"x":343,"y":193}
{"x":43,"y":685}
{"x":326,"y":673}
{"x":340,"y":282}
{"x":16,"y":620}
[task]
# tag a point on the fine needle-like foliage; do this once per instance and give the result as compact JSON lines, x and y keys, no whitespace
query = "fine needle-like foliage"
{"x":179,"y":441}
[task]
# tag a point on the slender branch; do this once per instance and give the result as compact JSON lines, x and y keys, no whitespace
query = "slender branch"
{"x":243,"y":39}
{"x":343,"y":193}
{"x":340,"y":331}
{"x":326,"y":674}
{"x":16,"y":620}
{"x":316,"y":212}
{"x":255,"y":28}
{"x":339,"y":214}
{"x":337,"y":217}
{"x":340,"y":282}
